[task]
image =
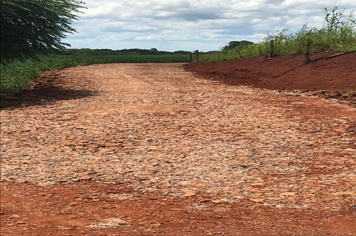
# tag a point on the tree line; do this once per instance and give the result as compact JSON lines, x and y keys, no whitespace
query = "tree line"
{"x":133,"y":51}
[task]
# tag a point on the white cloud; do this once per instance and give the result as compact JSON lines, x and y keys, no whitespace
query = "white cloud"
{"x":189,"y":25}
{"x":315,"y":3}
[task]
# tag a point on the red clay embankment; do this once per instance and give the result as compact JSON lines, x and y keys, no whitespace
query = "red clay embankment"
{"x":289,"y":72}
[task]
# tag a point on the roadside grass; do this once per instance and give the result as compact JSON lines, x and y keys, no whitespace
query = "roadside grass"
{"x":338,"y":35}
{"x":16,"y":75}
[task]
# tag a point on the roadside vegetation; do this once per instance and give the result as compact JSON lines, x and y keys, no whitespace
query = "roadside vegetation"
{"x":337,"y":35}
{"x":18,"y":73}
{"x":31,"y":45}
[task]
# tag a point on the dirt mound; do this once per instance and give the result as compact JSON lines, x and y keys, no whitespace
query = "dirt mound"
{"x":328,"y":75}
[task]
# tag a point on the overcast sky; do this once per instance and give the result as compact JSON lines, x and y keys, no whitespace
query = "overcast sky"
{"x":171,"y":25}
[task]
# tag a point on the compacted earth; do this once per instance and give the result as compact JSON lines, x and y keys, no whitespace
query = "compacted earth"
{"x":174,"y":149}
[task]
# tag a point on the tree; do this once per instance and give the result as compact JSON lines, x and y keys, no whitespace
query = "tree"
{"x":32,"y":27}
{"x":234,"y":44}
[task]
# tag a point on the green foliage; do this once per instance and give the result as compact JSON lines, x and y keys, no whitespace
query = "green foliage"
{"x":133,"y":51}
{"x":16,"y":75}
{"x":32,"y":27}
{"x":234,"y":44}
{"x":337,"y":35}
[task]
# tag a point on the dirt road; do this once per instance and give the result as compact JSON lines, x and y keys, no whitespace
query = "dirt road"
{"x":149,"y":149}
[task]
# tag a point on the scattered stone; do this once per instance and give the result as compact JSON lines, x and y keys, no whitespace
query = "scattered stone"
{"x":15,"y":217}
{"x":257,"y":200}
{"x":216,"y":201}
{"x":86,"y":177}
{"x":288,"y":194}
{"x":189,"y":194}
{"x":112,"y":222}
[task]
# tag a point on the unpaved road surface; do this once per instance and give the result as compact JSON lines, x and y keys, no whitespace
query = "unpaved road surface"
{"x":150,"y":149}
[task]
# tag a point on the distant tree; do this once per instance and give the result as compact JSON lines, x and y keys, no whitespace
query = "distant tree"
{"x":32,"y":27}
{"x":154,"y":50}
{"x":182,"y":52}
{"x":234,"y":44}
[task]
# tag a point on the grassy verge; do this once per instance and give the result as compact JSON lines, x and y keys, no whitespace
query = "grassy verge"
{"x":16,"y":75}
{"x":338,"y":35}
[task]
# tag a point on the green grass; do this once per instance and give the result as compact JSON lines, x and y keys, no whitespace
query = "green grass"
{"x":16,"y":75}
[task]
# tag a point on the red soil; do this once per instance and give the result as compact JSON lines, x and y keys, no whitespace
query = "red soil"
{"x":335,"y":74}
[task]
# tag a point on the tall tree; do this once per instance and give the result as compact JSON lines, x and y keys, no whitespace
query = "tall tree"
{"x":32,"y":27}
{"x":234,"y":44}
